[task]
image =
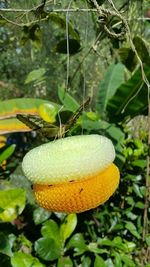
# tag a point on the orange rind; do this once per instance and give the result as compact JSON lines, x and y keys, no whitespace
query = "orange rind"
{"x":78,"y":196}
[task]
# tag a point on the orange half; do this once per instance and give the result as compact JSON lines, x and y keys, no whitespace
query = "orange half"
{"x":78,"y":196}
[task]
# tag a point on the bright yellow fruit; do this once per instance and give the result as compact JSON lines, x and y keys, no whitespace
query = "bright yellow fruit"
{"x":78,"y":196}
{"x":70,"y":158}
{"x":72,"y":174}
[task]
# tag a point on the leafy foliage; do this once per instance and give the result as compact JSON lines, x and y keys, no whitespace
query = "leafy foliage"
{"x":130,"y":98}
{"x":12,"y":203}
{"x":112,"y":80}
{"x":111,"y":235}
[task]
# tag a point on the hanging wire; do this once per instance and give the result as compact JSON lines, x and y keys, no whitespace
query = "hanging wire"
{"x":84,"y":72}
{"x":68,"y":54}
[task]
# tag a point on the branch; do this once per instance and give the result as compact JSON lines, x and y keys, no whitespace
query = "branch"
{"x":54,"y":10}
{"x":104,"y":13}
{"x":25,"y":10}
{"x":23,"y":24}
{"x":35,"y":9}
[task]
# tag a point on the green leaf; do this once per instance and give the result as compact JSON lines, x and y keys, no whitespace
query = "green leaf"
{"x":130,"y":215}
{"x":47,"y":249}
{"x":113,"y":78}
{"x":86,"y":262}
{"x":117,"y":260}
{"x":143,"y":190}
{"x":7,"y":153}
{"x":61,"y":22}
{"x":93,"y":247}
{"x":40,"y":215}
{"x":137,"y":191}
{"x":21,"y":259}
{"x":128,"y":261}
{"x":72,"y":47}
{"x":48,"y":112}
{"x":130,"y":98}
{"x":130,"y":246}
{"x":32,"y":33}
{"x":1,"y":209}
{"x":118,"y":243}
{"x":78,"y":243}
{"x":12,"y":202}
{"x":6,"y":243}
{"x":9,"y":108}
{"x":24,"y":242}
{"x":35,"y":75}
{"x":99,"y":262}
{"x":105,"y":242}
{"x":67,"y":100}
{"x":148,"y":240}
{"x":139,"y":205}
{"x":115,"y":133}
{"x":142,"y":49}
{"x":128,"y":58}
{"x":68,"y":226}
{"x":25,"y":36}
{"x":117,"y":240}
{"x":118,"y":137}
{"x":35,"y":35}
{"x":64,"y":262}
{"x":50,"y":230}
{"x":90,"y":125}
{"x":132,"y":229}
{"x":109,"y":263}
{"x":2,"y":21}
{"x":141,"y":163}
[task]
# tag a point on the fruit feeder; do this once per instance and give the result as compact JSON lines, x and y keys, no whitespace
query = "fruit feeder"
{"x":72,"y":174}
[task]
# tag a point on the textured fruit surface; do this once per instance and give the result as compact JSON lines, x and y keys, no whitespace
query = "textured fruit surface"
{"x":70,"y":158}
{"x":78,"y":196}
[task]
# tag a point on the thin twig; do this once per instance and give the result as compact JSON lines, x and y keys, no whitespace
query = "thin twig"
{"x":23,"y":24}
{"x":63,"y":10}
{"x":53,"y":10}
{"x":24,"y":10}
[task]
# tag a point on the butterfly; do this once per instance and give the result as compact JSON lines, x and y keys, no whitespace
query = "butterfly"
{"x":49,"y":130}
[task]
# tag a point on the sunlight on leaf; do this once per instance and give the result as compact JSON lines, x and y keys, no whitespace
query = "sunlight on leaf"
{"x":35,"y":75}
{"x":12,"y":202}
{"x":68,"y":226}
{"x":7,"y":153}
{"x":21,"y":259}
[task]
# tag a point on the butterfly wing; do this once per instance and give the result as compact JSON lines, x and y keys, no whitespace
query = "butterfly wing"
{"x":37,"y":124}
{"x":71,"y":122}
{"x":49,"y":130}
